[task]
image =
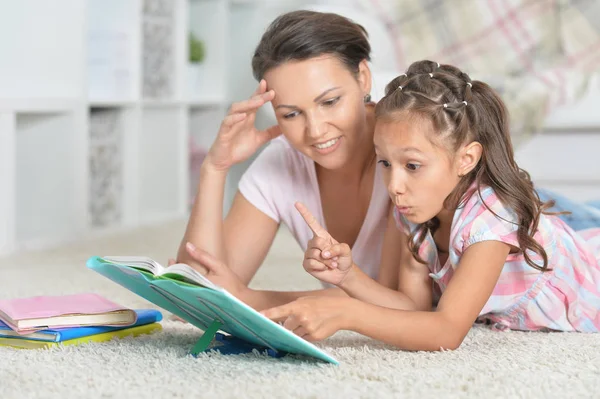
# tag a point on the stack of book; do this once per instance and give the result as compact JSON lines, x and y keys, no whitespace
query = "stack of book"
{"x":46,"y":321}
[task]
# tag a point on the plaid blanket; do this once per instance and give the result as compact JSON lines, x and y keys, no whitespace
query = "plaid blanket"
{"x":539,"y":54}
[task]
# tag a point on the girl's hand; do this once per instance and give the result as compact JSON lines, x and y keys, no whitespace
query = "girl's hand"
{"x":313,"y":318}
{"x":238,"y":138}
{"x":325,"y":258}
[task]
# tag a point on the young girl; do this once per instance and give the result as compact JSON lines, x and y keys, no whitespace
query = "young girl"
{"x":477,"y":242}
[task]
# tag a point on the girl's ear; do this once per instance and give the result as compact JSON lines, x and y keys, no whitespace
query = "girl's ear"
{"x":364,"y":77}
{"x":469,"y":157}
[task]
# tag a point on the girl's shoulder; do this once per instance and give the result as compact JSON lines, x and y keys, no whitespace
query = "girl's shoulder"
{"x":483,"y":202}
{"x":483,"y":216}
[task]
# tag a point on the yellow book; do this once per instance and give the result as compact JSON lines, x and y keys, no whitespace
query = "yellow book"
{"x":103,"y":337}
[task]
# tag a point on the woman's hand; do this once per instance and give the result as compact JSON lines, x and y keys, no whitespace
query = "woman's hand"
{"x":238,"y":138}
{"x":219,"y":273}
{"x":313,"y":318}
{"x":325,"y":258}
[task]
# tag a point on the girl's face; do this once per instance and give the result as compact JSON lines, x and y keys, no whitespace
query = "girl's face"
{"x":419,"y":174}
{"x":320,"y":108}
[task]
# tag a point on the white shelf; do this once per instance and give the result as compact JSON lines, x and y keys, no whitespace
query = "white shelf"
{"x":41,"y":105}
{"x":206,"y":101}
{"x":42,"y":46}
{"x":154,"y":103}
{"x":112,"y":50}
{"x":111,"y":103}
{"x":161,"y":185}
{"x":95,"y":137}
{"x":45,"y":180}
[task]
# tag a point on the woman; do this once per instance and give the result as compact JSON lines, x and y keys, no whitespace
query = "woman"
{"x":313,"y":68}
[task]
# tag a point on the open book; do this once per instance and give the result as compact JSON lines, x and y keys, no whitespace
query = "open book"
{"x":186,"y":293}
{"x":178,"y":271}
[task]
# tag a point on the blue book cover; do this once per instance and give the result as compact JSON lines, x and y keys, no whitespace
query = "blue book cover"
{"x":144,"y":316}
{"x":202,"y":305}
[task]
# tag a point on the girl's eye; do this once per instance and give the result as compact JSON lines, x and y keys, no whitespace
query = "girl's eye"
{"x":412,"y":166}
{"x":290,"y":115}
{"x":331,"y":102}
{"x":385,"y":163}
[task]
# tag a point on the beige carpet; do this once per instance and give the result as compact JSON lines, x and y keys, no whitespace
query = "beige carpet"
{"x":489,"y":364}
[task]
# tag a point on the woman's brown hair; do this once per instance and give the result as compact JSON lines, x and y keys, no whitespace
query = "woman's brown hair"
{"x":463,"y":111}
{"x":301,"y":35}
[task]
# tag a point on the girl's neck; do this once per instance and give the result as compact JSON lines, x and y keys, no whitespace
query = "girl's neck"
{"x":445,"y":217}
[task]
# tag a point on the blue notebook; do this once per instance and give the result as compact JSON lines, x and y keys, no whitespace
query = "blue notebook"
{"x":144,"y":316}
{"x":186,"y":293}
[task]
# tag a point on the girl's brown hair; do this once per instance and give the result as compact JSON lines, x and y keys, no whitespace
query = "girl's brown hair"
{"x":463,"y":111}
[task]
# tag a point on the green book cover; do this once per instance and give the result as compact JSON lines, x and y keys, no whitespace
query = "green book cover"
{"x":195,"y":299}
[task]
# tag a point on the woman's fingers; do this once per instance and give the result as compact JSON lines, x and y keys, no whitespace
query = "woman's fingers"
{"x":231,"y":119}
{"x":261,"y":88}
{"x":252,"y":104}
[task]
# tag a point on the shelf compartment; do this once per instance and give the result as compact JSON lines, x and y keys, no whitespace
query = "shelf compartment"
{"x":46,"y":179}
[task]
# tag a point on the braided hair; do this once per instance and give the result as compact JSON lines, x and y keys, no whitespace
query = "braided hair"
{"x":463,"y":111}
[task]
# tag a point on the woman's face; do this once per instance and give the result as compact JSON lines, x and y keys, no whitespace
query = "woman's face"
{"x":320,"y":108}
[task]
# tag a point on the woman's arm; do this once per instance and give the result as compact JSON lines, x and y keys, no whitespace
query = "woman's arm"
{"x":236,"y":141}
{"x":246,"y":236}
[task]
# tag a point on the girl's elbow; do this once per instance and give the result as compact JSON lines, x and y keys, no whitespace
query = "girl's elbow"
{"x":451,"y":340}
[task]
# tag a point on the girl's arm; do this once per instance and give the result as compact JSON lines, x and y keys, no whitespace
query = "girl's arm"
{"x":414,"y":286}
{"x":388,"y":269}
{"x":331,"y":262}
{"x":444,"y":328}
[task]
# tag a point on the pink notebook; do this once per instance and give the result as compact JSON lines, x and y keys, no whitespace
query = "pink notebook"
{"x":26,"y":315}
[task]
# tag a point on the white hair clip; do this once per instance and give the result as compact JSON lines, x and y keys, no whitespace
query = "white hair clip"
{"x":445,"y":105}
{"x":469,"y":84}
{"x":464,"y":102}
{"x":438,"y":64}
{"x":404,"y":75}
{"x":431,"y":75}
{"x":400,"y":87}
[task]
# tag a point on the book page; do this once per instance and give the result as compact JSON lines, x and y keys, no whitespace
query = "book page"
{"x":139,"y":262}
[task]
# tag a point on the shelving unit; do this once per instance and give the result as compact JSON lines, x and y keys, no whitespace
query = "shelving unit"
{"x":97,"y":111}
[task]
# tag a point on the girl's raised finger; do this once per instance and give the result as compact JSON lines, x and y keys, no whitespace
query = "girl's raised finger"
{"x":311,"y":265}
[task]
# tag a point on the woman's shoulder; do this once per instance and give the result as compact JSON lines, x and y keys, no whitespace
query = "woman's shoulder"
{"x":278,"y":165}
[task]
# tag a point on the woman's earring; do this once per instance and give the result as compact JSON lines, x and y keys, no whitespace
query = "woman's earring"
{"x":367,"y":98}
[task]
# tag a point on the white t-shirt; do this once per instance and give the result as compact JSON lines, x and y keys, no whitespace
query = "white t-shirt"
{"x":281,"y":175}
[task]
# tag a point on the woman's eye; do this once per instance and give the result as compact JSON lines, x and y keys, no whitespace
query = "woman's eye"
{"x":290,"y":115}
{"x":331,"y":102}
{"x":385,"y":163}
{"x":412,"y":166}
